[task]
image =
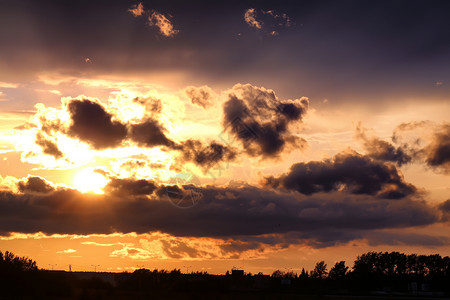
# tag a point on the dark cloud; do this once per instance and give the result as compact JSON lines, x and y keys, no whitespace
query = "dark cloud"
{"x":258,"y":119}
{"x":430,"y":142}
{"x":91,"y":123}
{"x":382,"y":150}
{"x":149,"y":134}
{"x":438,"y":151}
{"x":245,"y":213}
{"x":48,"y":147}
{"x":34,"y":184}
{"x":207,"y":155}
{"x":377,"y":238}
{"x":445,"y":206}
{"x":130,"y":187}
{"x":445,"y":209}
{"x":350,"y":172}
{"x":201,"y":96}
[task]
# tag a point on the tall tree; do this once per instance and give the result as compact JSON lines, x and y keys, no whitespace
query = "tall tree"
{"x":338,"y":271}
{"x":320,"y":270}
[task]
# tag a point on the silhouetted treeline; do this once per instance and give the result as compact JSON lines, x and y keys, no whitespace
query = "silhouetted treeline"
{"x":378,"y":273}
{"x":372,"y":273}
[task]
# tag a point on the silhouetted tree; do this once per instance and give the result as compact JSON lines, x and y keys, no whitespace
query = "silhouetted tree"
{"x":338,"y":271}
{"x":9,"y":260}
{"x":320,"y":270}
{"x":277,"y":274}
{"x":303,"y":274}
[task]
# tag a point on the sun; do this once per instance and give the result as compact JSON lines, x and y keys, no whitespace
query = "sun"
{"x":89,"y":181}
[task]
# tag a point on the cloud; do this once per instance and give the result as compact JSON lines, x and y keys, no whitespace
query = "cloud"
{"x":130,"y":187}
{"x":137,"y":9}
{"x":250,"y":18}
{"x":346,"y":171}
{"x":2,"y":96}
{"x":430,"y":142}
{"x":438,"y":151}
{"x":102,"y":127}
{"x":201,"y":96}
{"x":207,"y":155}
{"x":259,"y":120}
{"x":91,"y":123}
{"x":268,"y":21}
{"x":377,"y":238}
{"x":156,"y":19}
{"x":444,"y":207}
{"x":67,"y":251}
{"x":8,"y":85}
{"x":34,"y":184}
{"x":382,"y":150}
{"x":149,"y":134}
{"x":48,"y":147}
{"x":251,"y":214}
{"x":163,"y":23}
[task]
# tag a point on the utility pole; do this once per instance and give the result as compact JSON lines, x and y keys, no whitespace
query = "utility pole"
{"x":70,"y":268}
{"x":187,"y":269}
{"x":52,"y":265}
{"x":95,"y":267}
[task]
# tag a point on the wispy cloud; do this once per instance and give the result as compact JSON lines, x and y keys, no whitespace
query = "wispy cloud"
{"x":156,"y":19}
{"x":137,"y":9}
{"x":8,"y":85}
{"x":267,"y":21}
{"x":250,"y":18}
{"x":163,"y":23}
{"x":67,"y":251}
{"x":2,"y":97}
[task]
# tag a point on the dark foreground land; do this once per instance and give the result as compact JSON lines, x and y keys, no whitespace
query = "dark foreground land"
{"x":375,"y":276}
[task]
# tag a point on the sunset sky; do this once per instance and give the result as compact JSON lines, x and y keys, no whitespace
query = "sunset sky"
{"x":207,"y":135}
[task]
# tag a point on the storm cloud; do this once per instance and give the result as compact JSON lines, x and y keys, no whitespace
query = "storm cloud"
{"x":259,"y":120}
{"x":346,"y":171}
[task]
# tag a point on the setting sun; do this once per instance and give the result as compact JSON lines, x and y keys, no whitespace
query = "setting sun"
{"x":88,"y":180}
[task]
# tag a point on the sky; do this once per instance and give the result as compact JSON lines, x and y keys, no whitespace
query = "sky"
{"x":204,"y":135}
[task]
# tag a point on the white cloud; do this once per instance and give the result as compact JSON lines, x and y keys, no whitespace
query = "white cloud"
{"x":68,"y":251}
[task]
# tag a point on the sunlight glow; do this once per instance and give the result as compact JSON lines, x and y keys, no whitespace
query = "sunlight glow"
{"x":88,"y":180}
